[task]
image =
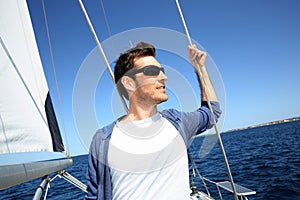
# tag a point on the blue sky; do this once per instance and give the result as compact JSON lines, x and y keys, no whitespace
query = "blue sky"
{"x":253,"y":43}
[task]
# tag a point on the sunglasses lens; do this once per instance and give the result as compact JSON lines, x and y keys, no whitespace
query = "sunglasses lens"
{"x":153,"y":70}
{"x":150,"y":70}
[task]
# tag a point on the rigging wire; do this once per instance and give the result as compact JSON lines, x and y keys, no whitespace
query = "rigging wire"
{"x":66,"y":147}
{"x":105,"y":18}
{"x":107,"y":25}
{"x":209,"y":104}
{"x":101,"y":51}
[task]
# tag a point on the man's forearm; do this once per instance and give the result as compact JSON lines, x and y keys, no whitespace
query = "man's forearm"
{"x":211,"y":94}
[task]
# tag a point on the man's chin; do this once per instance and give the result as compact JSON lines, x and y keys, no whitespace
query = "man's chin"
{"x":163,"y":100}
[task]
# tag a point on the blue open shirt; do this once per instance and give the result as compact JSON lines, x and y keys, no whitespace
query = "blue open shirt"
{"x":188,"y":124}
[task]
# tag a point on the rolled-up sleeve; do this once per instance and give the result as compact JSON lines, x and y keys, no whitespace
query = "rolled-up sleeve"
{"x":196,"y":122}
{"x":215,"y":115}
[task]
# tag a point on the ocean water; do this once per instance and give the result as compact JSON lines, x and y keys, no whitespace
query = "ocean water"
{"x":264,"y":159}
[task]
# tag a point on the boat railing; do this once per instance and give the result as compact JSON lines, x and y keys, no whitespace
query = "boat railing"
{"x":241,"y":191}
{"x":45,"y":184}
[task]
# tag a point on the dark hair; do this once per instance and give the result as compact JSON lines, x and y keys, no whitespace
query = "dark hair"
{"x":125,"y":62}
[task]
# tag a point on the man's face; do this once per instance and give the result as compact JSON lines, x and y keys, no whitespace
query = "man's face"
{"x":149,"y":89}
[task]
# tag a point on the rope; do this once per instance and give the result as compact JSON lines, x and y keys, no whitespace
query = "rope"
{"x":209,"y":104}
{"x":101,"y":51}
{"x":56,"y":82}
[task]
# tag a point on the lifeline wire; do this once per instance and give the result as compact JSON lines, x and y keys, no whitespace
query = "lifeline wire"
{"x":209,"y":104}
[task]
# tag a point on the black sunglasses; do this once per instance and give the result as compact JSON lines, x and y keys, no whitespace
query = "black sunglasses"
{"x":149,"y":70}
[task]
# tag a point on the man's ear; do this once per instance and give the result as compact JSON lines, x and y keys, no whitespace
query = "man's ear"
{"x":128,"y":83}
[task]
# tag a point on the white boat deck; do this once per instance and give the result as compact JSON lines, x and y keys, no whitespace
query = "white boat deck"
{"x":240,"y":190}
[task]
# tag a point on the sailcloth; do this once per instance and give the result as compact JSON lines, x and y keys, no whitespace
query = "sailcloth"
{"x":26,"y":113}
{"x":27,"y":119}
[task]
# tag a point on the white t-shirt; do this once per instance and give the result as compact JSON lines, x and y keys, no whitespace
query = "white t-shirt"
{"x":148,"y":160}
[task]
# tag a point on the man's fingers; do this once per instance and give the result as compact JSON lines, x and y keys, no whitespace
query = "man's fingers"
{"x":197,"y":55}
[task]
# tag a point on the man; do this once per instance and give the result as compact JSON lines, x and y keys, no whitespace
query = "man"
{"x":143,"y":155}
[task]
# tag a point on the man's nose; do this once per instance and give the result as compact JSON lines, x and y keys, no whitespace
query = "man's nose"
{"x":162,"y":75}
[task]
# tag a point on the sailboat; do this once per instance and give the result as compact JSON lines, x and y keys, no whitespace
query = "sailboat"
{"x":31,"y":143}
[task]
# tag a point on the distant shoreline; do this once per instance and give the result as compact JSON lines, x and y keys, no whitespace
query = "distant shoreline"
{"x":265,"y":124}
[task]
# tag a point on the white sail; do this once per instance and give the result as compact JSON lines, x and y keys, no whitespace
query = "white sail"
{"x":27,"y":119}
{"x":23,"y":125}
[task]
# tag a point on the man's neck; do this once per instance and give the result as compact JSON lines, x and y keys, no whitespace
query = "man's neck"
{"x":140,"y":112}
